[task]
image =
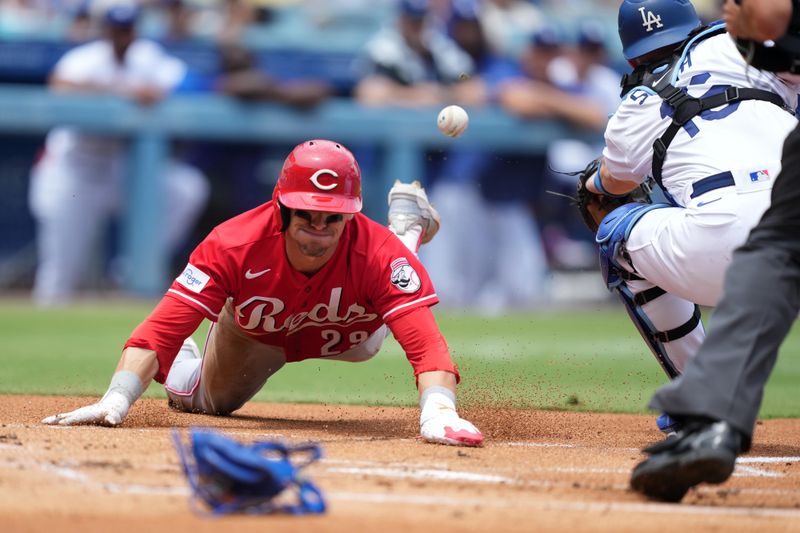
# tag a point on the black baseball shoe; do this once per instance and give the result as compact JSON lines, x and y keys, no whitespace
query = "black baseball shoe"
{"x":701,"y":452}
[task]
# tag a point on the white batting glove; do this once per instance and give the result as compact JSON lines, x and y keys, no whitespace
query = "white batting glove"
{"x":112,"y":408}
{"x":439,"y":422}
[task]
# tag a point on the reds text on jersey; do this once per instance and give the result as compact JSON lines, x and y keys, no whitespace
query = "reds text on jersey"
{"x":371,"y":277}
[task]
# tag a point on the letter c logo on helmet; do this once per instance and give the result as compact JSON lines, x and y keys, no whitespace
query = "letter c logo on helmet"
{"x":647,"y":25}
{"x":320,"y":186}
{"x":320,"y":175}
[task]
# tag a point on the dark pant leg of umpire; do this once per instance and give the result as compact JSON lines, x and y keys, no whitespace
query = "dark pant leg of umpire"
{"x":725,"y":380}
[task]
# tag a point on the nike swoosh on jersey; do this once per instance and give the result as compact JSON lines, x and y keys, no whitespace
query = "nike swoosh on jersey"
{"x":701,"y":204}
{"x":253,"y":275}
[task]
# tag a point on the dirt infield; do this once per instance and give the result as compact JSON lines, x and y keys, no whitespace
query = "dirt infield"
{"x":539,"y":471}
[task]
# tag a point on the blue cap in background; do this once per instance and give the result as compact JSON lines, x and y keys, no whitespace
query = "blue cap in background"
{"x":121,"y":15}
{"x":465,"y":10}
{"x":547,"y":37}
{"x":414,"y":8}
{"x":591,"y":34}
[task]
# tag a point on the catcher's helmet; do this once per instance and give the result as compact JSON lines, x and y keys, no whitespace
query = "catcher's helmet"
{"x":320,"y":175}
{"x":647,"y":25}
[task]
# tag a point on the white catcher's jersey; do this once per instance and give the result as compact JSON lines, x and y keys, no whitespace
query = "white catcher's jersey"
{"x":146,"y":64}
{"x":742,"y":137}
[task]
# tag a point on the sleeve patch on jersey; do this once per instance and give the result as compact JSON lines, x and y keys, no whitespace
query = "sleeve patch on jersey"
{"x":193,"y":278}
{"x":404,"y":277}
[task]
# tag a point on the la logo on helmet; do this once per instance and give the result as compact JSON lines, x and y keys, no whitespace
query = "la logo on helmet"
{"x":315,"y":179}
{"x":649,"y":19}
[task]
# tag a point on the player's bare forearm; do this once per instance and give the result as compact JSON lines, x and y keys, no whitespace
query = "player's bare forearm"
{"x":611,"y":185}
{"x":436,"y":378}
{"x":759,"y":20}
{"x":140,"y":361}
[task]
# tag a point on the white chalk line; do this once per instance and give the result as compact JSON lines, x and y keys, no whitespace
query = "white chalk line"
{"x":560,"y":505}
{"x":749,"y":471}
{"x":460,"y":502}
{"x":541,"y":504}
{"x":439,"y":475}
{"x":789,"y":459}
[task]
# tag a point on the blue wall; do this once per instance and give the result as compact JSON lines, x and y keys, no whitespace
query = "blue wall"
{"x":402,"y":136}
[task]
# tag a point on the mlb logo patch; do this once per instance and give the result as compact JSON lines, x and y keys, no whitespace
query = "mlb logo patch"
{"x":759,"y":175}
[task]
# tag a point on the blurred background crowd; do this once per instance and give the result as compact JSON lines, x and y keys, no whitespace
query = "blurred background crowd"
{"x":503,"y":240}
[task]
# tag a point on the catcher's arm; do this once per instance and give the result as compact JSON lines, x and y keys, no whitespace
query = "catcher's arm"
{"x":604,"y":183}
{"x":599,"y":193}
{"x":135,"y":370}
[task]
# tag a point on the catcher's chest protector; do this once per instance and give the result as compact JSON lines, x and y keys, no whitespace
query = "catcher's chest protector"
{"x":660,"y":77}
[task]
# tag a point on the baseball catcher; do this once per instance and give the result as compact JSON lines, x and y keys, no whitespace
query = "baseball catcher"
{"x":708,"y":129}
{"x":260,"y":478}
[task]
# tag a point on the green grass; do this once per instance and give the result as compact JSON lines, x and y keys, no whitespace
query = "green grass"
{"x":578,"y":360}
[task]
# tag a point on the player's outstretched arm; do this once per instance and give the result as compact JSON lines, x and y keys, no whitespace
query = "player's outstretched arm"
{"x":135,"y":370}
{"x":437,"y":376}
{"x":439,"y":421}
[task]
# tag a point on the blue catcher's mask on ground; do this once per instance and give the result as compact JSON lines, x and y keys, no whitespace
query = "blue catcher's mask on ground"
{"x":647,"y":25}
{"x":258,"y":478}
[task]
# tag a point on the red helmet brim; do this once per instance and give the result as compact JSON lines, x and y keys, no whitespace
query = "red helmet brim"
{"x":320,"y":202}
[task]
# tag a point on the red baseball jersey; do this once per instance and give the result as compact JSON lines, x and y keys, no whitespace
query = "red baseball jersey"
{"x":371,"y":277}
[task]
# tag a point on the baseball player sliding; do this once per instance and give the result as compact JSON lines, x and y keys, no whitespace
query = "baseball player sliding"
{"x":709,"y":129}
{"x":302,"y":276}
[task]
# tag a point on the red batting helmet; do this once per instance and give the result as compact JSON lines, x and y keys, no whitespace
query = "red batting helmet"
{"x":320,"y":175}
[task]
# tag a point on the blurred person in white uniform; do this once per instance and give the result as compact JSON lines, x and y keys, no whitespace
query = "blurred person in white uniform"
{"x":76,"y":186}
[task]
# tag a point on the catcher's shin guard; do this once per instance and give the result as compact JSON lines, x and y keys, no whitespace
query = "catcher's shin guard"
{"x":670,"y":326}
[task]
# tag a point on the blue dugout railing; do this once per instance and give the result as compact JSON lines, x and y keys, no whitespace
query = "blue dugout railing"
{"x":403,"y":134}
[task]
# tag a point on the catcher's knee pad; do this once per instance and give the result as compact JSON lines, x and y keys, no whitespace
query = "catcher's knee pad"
{"x":612,"y":234}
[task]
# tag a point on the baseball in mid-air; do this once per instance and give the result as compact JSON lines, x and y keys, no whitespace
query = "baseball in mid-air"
{"x":453,"y":120}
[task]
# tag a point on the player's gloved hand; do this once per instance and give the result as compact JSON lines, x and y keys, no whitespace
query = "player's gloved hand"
{"x":111,"y":410}
{"x":439,"y":422}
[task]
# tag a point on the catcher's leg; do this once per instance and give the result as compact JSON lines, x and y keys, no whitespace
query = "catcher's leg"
{"x":232,"y":370}
{"x":670,"y":325}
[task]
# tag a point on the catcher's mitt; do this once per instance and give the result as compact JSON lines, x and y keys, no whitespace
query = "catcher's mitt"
{"x":594,"y":207}
{"x":233,"y":477}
